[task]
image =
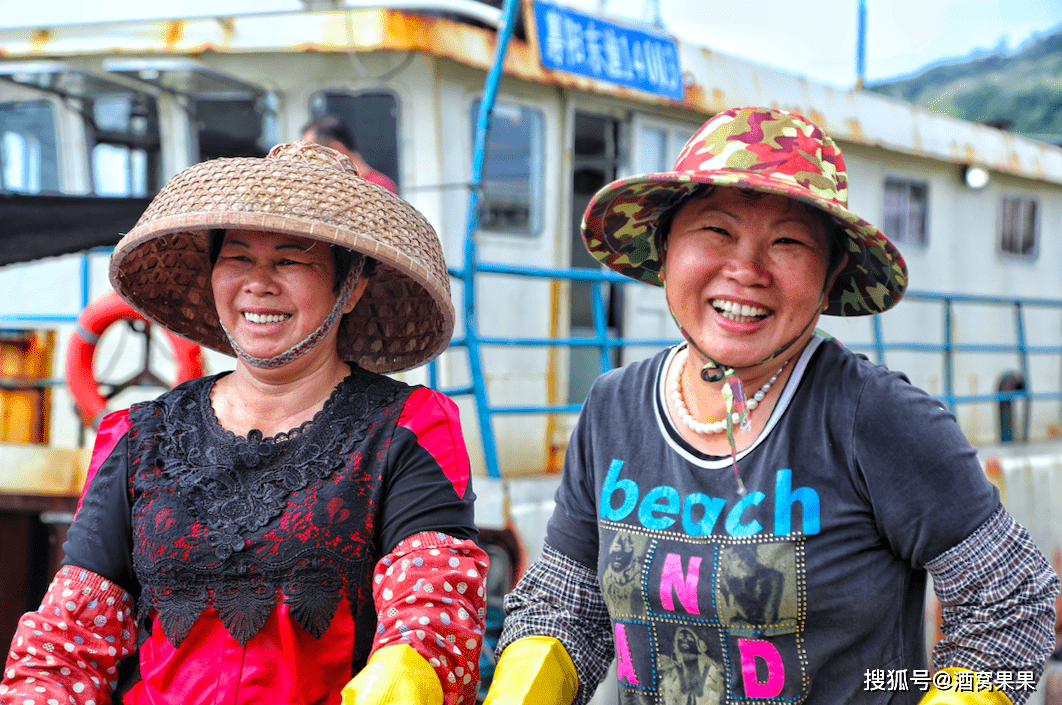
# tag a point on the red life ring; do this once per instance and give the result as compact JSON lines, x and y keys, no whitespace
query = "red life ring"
{"x":96,"y":318}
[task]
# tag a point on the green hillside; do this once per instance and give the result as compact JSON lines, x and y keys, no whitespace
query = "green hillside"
{"x":1021,"y":90}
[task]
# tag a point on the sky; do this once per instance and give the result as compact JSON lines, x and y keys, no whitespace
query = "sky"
{"x":816,"y":39}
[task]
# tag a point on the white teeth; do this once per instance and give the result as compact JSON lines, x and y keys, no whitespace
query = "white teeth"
{"x":741,"y":313}
{"x":265,"y":318}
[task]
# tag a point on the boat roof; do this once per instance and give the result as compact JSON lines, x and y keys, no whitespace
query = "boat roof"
{"x":712,"y":81}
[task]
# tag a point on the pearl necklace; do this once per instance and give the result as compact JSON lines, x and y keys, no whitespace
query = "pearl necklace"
{"x":674,"y":388}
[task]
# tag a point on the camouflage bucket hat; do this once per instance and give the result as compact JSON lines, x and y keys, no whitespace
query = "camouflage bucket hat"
{"x":759,"y":149}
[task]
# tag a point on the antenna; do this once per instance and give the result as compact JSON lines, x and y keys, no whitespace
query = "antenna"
{"x":861,"y":44}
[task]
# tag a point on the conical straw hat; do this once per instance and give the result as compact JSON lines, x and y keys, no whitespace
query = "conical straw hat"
{"x":161,"y":267}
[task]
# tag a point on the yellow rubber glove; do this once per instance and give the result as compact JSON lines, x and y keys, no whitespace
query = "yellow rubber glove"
{"x":395,"y":675}
{"x":955,"y":697}
{"x":535,"y":670}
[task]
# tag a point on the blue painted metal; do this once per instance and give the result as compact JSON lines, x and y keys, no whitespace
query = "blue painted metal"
{"x":1019,"y":322}
{"x":1023,"y":348}
{"x":84,"y":280}
{"x":949,"y":369}
{"x":84,"y":274}
{"x":879,"y":341}
{"x":473,"y":270}
{"x":591,"y":342}
{"x":861,"y":44}
{"x":468,"y":271}
{"x":18,"y":320}
{"x":601,"y":328}
{"x":606,"y":343}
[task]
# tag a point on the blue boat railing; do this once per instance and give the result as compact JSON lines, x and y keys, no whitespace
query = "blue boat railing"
{"x":949,"y":348}
{"x":876,"y":345}
{"x":606,"y":342}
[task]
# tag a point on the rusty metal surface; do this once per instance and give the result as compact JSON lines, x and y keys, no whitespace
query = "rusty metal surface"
{"x":32,"y":469}
{"x":713,"y":81}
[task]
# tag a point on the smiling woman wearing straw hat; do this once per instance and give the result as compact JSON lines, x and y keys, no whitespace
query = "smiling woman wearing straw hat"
{"x":780,"y":499}
{"x":259,"y":535}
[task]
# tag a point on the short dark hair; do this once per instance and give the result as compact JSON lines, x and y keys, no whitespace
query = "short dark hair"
{"x":836,"y":240}
{"x":331,"y":127}
{"x":836,"y":237}
{"x":343,"y":259}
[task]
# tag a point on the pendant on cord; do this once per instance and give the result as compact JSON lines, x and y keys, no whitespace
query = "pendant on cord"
{"x":734,"y":398}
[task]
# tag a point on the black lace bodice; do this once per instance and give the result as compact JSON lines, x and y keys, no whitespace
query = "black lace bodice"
{"x":239,"y":524}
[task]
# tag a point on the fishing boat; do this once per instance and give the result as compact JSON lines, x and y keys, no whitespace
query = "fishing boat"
{"x":499,"y":124}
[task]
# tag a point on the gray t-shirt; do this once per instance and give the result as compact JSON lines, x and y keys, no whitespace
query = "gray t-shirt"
{"x":796,"y":589}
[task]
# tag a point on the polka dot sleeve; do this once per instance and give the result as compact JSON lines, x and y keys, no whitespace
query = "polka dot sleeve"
{"x":67,"y":651}
{"x":429,"y":594}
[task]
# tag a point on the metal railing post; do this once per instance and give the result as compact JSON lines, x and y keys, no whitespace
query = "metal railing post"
{"x":949,"y":371}
{"x":472,"y":340}
{"x":85,"y":284}
{"x":879,"y":339}
{"x":1023,"y":360}
{"x":1023,"y":348}
{"x":601,"y":327}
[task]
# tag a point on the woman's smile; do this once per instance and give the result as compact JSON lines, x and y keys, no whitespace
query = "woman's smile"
{"x":739,"y":312}
{"x":265,"y":318}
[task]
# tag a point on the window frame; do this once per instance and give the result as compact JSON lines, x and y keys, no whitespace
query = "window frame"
{"x":141,"y":151}
{"x":52,"y":185}
{"x":675,"y":133}
{"x":536,"y":177}
{"x":1003,"y":238}
{"x":891,"y":223}
{"x":318,"y":108}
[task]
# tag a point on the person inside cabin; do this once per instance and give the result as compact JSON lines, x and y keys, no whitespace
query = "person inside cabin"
{"x":783,"y":498}
{"x":299,"y":529}
{"x":330,"y":131}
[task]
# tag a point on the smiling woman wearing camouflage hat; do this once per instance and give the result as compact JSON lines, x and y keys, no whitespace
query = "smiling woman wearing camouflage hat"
{"x":258,"y":536}
{"x":751,"y":515}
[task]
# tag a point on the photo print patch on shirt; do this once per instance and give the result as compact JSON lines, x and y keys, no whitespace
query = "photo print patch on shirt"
{"x":699,"y":619}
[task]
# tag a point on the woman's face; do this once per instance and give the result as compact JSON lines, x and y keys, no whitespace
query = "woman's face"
{"x":744,"y":275}
{"x":272,"y":290}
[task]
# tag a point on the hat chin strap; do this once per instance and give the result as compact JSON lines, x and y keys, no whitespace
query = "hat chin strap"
{"x":306,"y":344}
{"x":715,"y":371}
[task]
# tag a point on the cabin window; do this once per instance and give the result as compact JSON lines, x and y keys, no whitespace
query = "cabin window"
{"x":124,"y":135}
{"x":228,"y":116}
{"x":1019,"y":226}
{"x":233,"y":127}
{"x":373,"y":118}
{"x":658,"y":147}
{"x":906,"y":218}
{"x":596,"y":158}
{"x":511,"y":196}
{"x":29,"y":150}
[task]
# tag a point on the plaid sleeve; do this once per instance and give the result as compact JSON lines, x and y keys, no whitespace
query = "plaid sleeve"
{"x":997,"y":595}
{"x":561,"y":598}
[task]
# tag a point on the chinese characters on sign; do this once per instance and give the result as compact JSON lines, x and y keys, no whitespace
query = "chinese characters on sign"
{"x":962,"y":681}
{"x":590,"y":46}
